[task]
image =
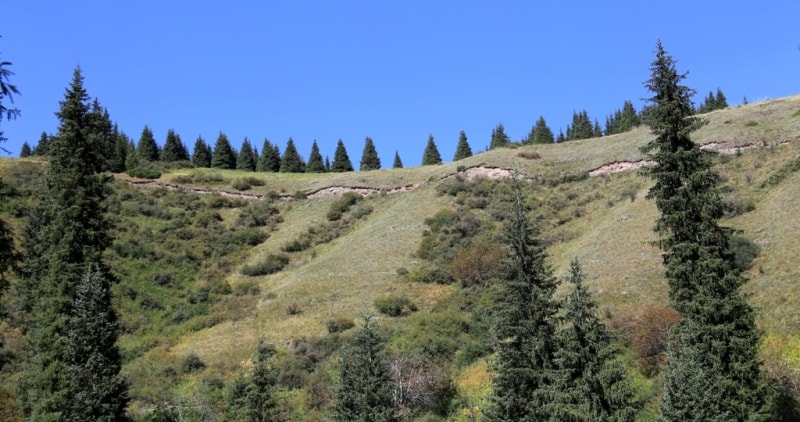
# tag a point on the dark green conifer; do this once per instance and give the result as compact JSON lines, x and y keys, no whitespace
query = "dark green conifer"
{"x":540,"y":133}
{"x":499,"y":137}
{"x":42,"y":148}
{"x":25,"y":151}
{"x":315,"y":163}
{"x":431,"y":155}
{"x":291,"y":161}
{"x":720,"y":102}
{"x":147,"y":148}
{"x":261,"y":404}
{"x":246,"y":160}
{"x":369,"y":157}
{"x":713,"y":370}
{"x":270,"y":159}
{"x":561,"y":138}
{"x":581,"y":127}
{"x":364,"y":392}
{"x":174,"y":150}
{"x":101,"y":129}
{"x":524,"y":326}
{"x":201,"y":156}
{"x":398,"y":163}
{"x":223,"y":157}
{"x":120,"y":151}
{"x":341,"y":161}
{"x":463,"y":150}
{"x":6,"y":91}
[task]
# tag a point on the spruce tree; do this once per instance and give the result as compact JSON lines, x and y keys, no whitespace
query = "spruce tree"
{"x":117,"y":163}
{"x":581,"y":127}
{"x":369,"y":157}
{"x":398,"y":163}
{"x":291,"y":161}
{"x":7,"y":89}
{"x":174,"y":150}
{"x":102,"y":130}
{"x":42,"y":147}
{"x":463,"y":149}
{"x":247,"y":159}
{"x":591,"y":385}
{"x":524,"y":326}
{"x":327,"y":164}
{"x":201,"y":156}
{"x":341,"y":161}
{"x":561,"y":138}
{"x":431,"y":155}
{"x":25,"y":151}
{"x":713,"y":351}
{"x":97,"y":390}
{"x":261,"y":405}
{"x":315,"y":163}
{"x":540,"y":133}
{"x":223,"y":157}
{"x":364,"y":392}
{"x":270,"y":159}
{"x":499,"y":137}
{"x":720,"y":102}
{"x":147,"y":148}
{"x":66,"y":232}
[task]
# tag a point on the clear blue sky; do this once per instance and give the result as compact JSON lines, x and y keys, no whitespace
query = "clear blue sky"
{"x":396,"y":71}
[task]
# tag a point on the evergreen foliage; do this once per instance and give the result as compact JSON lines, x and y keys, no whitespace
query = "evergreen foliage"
{"x":591,"y":385}
{"x":223,"y":157}
{"x":540,"y":133}
{"x":42,"y":147}
{"x":66,"y":232}
{"x":713,"y":371}
{"x":581,"y":127}
{"x":270,"y":159}
{"x":7,"y":89}
{"x":147,"y":148}
{"x":560,"y":138}
{"x":369,"y":158}
{"x":117,"y":164}
{"x":97,"y":390}
{"x":398,"y":163}
{"x":713,"y":102}
{"x":26,"y":150}
{"x":261,"y":404}
{"x":623,"y":120}
{"x":499,"y":137}
{"x":315,"y":163}
{"x":364,"y":392}
{"x":247,"y":157}
{"x":463,"y":150}
{"x":431,"y":155}
{"x":174,"y":150}
{"x":341,"y":161}
{"x":201,"y":156}
{"x":101,"y":129}
{"x":291,"y":161}
{"x":524,"y":326}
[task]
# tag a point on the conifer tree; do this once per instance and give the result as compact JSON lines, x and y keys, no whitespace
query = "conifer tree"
{"x":327,"y":164}
{"x":364,"y":392}
{"x":581,"y":127}
{"x":524,"y":326}
{"x":120,"y":151}
{"x":201,"y":156}
{"x":174,"y":150}
{"x":315,"y":163}
{"x":540,"y":133}
{"x":270,"y":159}
{"x":291,"y":161}
{"x":398,"y":163}
{"x":499,"y":137}
{"x":102,"y":130}
{"x":591,"y":385}
{"x":147,"y":148}
{"x":431,"y":155}
{"x":7,"y":89}
{"x":261,"y":405}
{"x":25,"y":151}
{"x":463,"y":150}
{"x":97,"y":390}
{"x":561,"y":138}
{"x":247,"y":159}
{"x":66,"y":232}
{"x":223,"y":157}
{"x":369,"y":157}
{"x":713,"y":371}
{"x":341,"y":161}
{"x":720,"y":101}
{"x":42,"y":147}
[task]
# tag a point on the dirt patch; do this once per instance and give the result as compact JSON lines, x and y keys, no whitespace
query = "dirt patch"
{"x":619,"y":166}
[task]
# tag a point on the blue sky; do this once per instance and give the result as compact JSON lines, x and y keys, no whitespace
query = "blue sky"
{"x":395,"y":71}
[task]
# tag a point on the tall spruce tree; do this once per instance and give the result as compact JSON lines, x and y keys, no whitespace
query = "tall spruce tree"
{"x":398,"y":163}
{"x":291,"y":161}
{"x":174,"y":150}
{"x":591,"y":385}
{"x":541,"y":133}
{"x":102,"y":129}
{"x":713,"y":371}
{"x":26,"y":150}
{"x":223,"y":157}
{"x":201,"y":156}
{"x":581,"y":127}
{"x":369,"y":157}
{"x":261,"y":404}
{"x":463,"y":150}
{"x":147,"y":148}
{"x":315,"y":163}
{"x":66,"y":232}
{"x":341,"y":161}
{"x":499,"y":137}
{"x":364,"y":392}
{"x":120,"y":151}
{"x":247,"y":157}
{"x":431,"y":155}
{"x":42,"y":147}
{"x":524,"y":326}
{"x":270,"y":158}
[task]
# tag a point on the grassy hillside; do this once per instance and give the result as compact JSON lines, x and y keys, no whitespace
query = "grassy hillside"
{"x":200,"y":303}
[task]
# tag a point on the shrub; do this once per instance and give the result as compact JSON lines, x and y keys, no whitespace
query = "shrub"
{"x":249,"y":237}
{"x":429,"y":274}
{"x":144,"y":173}
{"x":297,"y":245}
{"x":648,"y":333}
{"x":477,"y":262}
{"x":342,"y":205}
{"x":192,"y":363}
{"x":339,"y":324}
{"x":529,"y":155}
{"x":241,"y":184}
{"x":273,"y":263}
{"x":744,"y":251}
{"x":293,"y":308}
{"x":395,"y":305}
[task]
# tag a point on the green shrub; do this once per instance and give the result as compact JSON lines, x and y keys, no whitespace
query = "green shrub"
{"x":744,"y":251}
{"x":192,"y":363}
{"x":751,"y":123}
{"x":342,"y":205}
{"x":297,"y":245}
{"x":339,"y":324}
{"x":395,"y":305}
{"x":144,"y":173}
{"x":273,"y":263}
{"x":241,"y":184}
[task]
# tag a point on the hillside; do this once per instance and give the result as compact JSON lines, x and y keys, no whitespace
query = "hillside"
{"x":586,"y":195}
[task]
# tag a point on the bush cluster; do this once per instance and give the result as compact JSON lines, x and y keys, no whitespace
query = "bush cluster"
{"x":395,"y":305}
{"x":273,"y":263}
